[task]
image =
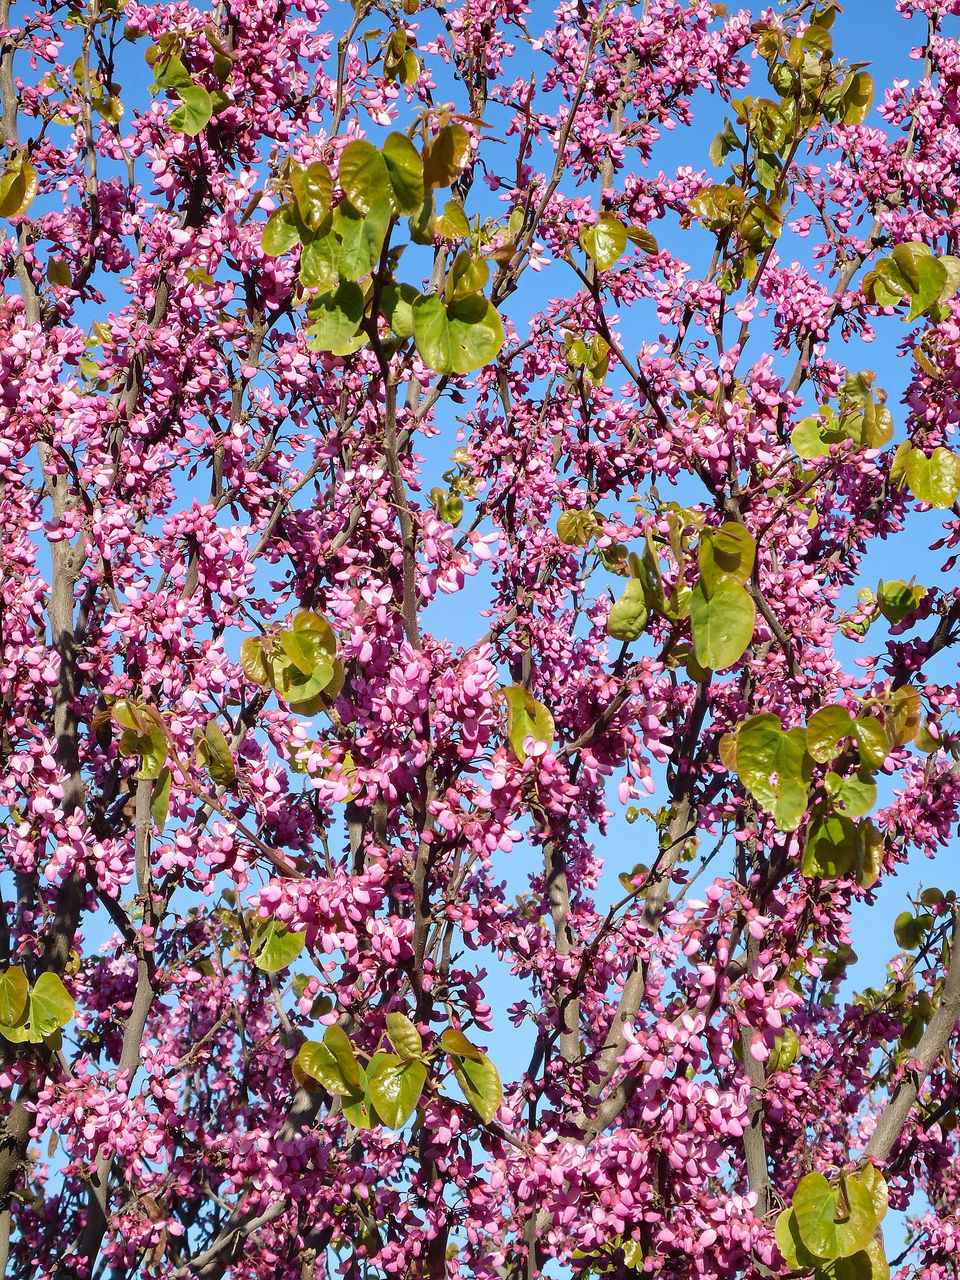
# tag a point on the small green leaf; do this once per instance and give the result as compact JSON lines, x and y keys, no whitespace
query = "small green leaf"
{"x":826,"y":729}
{"x":363,"y":175}
{"x":872,"y":739}
{"x":194,"y":112}
{"x":628,"y":616}
{"x":312,"y":188}
{"x":319,"y":629}
{"x":335,"y":320}
{"x":817,"y":1208}
{"x":773,"y":766}
{"x":292,"y":685}
{"x":786,"y":1048}
{"x":50,"y":1007}
{"x":795,"y":1253}
{"x":726,"y":555}
{"x":253,"y":660}
{"x":910,"y":930}
{"x":405,"y":172}
{"x":395,"y":1087}
{"x":404,"y":1036}
{"x":857,"y":97}
{"x":160,"y":803}
{"x":457,"y":338}
{"x":452,"y":223}
{"x":274,"y":946}
{"x":722,"y":624}
{"x":304,"y":656}
{"x":14,"y":991}
{"x":282,"y":231}
{"x":396,"y":302}
{"x":604,"y":241}
{"x":576,"y":527}
{"x":338,"y":1042}
{"x":935,"y":479}
{"x":358,"y":1107}
{"x":832,"y":849}
{"x":320,"y":259}
{"x":315,"y":1062}
{"x":897,"y":600}
{"x":58,"y":272}
{"x":480,"y":1082}
{"x":643,"y":239}
{"x":147,"y":741}
{"x":448,"y":506}
{"x":931,"y":280}
{"x":526,"y":718}
{"x":361,"y":237}
{"x":467,"y":276}
{"x":455,"y":1042}
{"x":857,"y":794}
{"x":870,"y":862}
{"x":446,"y":156}
{"x":172,"y":74}
{"x":217,"y":756}
{"x":652,"y":580}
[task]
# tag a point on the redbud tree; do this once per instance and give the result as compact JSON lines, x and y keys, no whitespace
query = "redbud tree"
{"x":421,"y":451}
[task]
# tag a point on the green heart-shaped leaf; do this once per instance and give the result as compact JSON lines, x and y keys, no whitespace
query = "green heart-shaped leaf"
{"x":726,"y":555}
{"x":395,"y":1087}
{"x":526,"y":718}
{"x":480,"y":1082}
{"x":282,"y":231}
{"x":628,"y":615}
{"x":14,"y":990}
{"x":457,"y":338}
{"x":312,"y":188}
{"x":722,"y":624}
{"x":194,"y":112}
{"x":404,"y":1036}
{"x":604,"y":241}
{"x":405,"y":172}
{"x":274,"y":947}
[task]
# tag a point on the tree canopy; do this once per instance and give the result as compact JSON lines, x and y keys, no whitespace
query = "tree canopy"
{"x":425,"y":457}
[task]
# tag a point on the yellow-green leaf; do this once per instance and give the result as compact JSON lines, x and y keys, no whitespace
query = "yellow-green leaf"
{"x":446,"y":155}
{"x":604,"y":241}
{"x":395,"y":1087}
{"x":217,"y":756}
{"x":726,"y":555}
{"x":480,"y":1082}
{"x":817,"y":1208}
{"x":312,"y":188}
{"x":934,"y":479}
{"x":405,"y":171}
{"x":826,"y":729}
{"x":274,"y":946}
{"x":455,"y":1042}
{"x":282,"y":231}
{"x":194,"y":112}
{"x":526,"y":718}
{"x":14,"y":990}
{"x":722,"y":623}
{"x":404,"y":1036}
{"x":628,"y":615}
{"x":459,"y":337}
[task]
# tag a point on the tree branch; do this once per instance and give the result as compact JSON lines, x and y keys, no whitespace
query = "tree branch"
{"x":893,"y":1118}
